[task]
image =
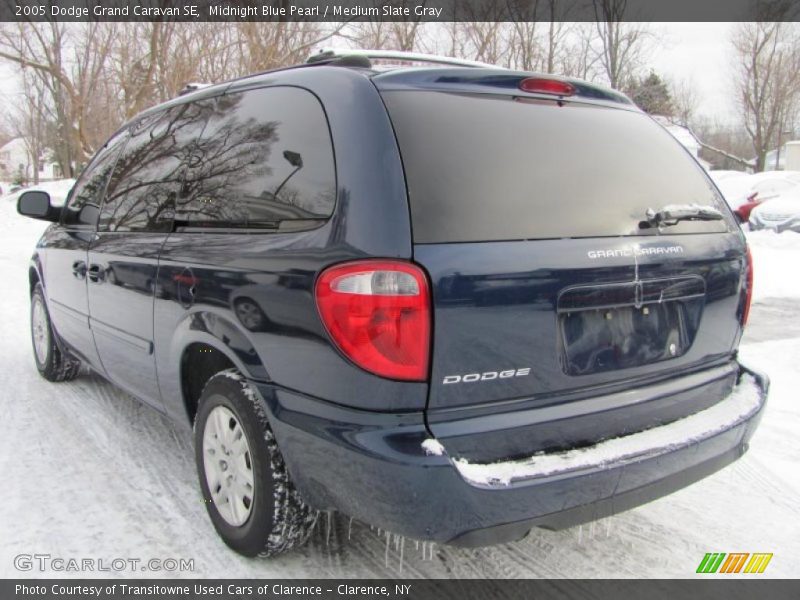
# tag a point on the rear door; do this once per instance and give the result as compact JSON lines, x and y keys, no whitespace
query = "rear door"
{"x":529,"y":214}
{"x":135,"y":220}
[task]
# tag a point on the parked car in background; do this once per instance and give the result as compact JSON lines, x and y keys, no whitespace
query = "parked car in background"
{"x":743,"y":192}
{"x":780,"y":214}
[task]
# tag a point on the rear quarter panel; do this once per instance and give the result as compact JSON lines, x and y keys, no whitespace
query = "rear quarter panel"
{"x":277,"y":271}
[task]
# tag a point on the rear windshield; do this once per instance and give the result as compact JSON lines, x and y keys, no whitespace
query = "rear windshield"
{"x":484,"y":168}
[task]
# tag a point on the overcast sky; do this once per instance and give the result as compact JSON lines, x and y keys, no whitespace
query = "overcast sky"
{"x":699,"y":52}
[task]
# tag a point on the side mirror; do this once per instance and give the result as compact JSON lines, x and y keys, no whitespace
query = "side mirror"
{"x":36,"y":205}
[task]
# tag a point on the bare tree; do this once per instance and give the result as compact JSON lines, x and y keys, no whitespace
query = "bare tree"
{"x":405,"y":34}
{"x":767,"y":81}
{"x":28,"y":122}
{"x":685,"y":99}
{"x":392,"y":35}
{"x":481,"y":33}
{"x":375,"y":35}
{"x":620,"y":46}
{"x":265,"y":46}
{"x":580,"y":58}
{"x":68,"y":60}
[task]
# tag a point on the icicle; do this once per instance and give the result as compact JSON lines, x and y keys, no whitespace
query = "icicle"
{"x":591,"y":531}
{"x":608,"y":527}
{"x":386,"y":555}
{"x":580,"y":534}
{"x":350,"y":528}
{"x":328,"y":530}
{"x":416,"y":544}
{"x":402,"y":547}
{"x":396,"y":542}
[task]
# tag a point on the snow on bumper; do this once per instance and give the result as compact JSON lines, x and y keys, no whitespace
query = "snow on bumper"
{"x":746,"y":400}
{"x":387,"y":470}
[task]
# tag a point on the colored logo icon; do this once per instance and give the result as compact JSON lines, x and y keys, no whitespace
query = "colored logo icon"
{"x":735,"y":562}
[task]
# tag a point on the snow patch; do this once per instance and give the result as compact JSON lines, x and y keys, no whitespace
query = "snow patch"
{"x":58,"y":191}
{"x":740,"y":404}
{"x":432,"y":447}
{"x":775,"y":260}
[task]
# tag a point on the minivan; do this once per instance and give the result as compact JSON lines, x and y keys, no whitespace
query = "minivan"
{"x":452,"y":301}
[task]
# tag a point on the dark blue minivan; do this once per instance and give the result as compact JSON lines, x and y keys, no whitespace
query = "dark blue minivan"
{"x":451,"y":301}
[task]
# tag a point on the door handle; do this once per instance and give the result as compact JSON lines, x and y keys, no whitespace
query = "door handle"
{"x":97,"y":274}
{"x":79,"y":269}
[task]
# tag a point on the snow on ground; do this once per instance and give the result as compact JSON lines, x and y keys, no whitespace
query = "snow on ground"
{"x":776,"y":268}
{"x":90,"y":472}
{"x":58,"y":191}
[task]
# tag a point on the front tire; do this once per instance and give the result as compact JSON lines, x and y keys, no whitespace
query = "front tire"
{"x":249,"y":496}
{"x":52,"y":364}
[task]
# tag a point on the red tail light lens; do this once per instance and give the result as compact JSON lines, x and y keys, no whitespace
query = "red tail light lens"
{"x":547,"y":86}
{"x":748,"y":291}
{"x":378,"y":314}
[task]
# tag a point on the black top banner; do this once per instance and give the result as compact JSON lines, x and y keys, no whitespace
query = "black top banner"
{"x":399,"y":10}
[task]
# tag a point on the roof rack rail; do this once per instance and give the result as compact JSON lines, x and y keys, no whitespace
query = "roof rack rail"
{"x":193,"y":87}
{"x":329,"y":55}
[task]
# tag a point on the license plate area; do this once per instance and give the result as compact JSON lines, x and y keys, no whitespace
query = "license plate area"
{"x":619,"y":326}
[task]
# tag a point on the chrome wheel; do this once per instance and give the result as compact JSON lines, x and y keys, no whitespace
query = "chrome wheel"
{"x":228,"y":466}
{"x":40,"y":330}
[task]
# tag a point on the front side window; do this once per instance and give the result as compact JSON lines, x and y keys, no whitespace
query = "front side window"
{"x":150,"y":171}
{"x":83,"y":205}
{"x":265,"y":161}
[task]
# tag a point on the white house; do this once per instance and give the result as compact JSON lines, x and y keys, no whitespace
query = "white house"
{"x":774,"y":163}
{"x":16,"y":163}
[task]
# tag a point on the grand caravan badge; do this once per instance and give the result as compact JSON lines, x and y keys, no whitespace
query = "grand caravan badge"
{"x":635,"y":251}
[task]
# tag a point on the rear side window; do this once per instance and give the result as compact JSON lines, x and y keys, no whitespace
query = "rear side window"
{"x":484,"y":168}
{"x":83,"y":206}
{"x":265,"y":160}
{"x":151,"y":170}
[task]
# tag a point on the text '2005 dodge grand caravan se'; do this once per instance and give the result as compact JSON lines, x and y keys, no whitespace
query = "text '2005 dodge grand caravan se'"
{"x":453,"y":302}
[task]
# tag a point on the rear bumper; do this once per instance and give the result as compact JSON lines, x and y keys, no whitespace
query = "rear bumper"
{"x":372,"y":466}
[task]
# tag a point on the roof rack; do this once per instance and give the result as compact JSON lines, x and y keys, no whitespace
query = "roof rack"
{"x":330,"y":55}
{"x":193,"y":87}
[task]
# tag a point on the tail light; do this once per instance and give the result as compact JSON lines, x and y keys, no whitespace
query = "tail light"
{"x":378,"y":314}
{"x":748,"y":290}
{"x":546,"y":86}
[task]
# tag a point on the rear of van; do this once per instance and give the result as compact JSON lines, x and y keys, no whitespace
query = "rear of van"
{"x":574,"y":301}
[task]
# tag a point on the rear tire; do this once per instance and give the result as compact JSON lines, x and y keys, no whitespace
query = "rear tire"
{"x":249,"y":496}
{"x":52,"y":364}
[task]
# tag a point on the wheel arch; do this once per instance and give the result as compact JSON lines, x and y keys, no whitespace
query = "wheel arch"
{"x":204,"y":344}
{"x":35,"y":273}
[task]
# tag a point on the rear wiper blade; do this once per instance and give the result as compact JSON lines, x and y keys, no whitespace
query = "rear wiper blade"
{"x":672,"y":214}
